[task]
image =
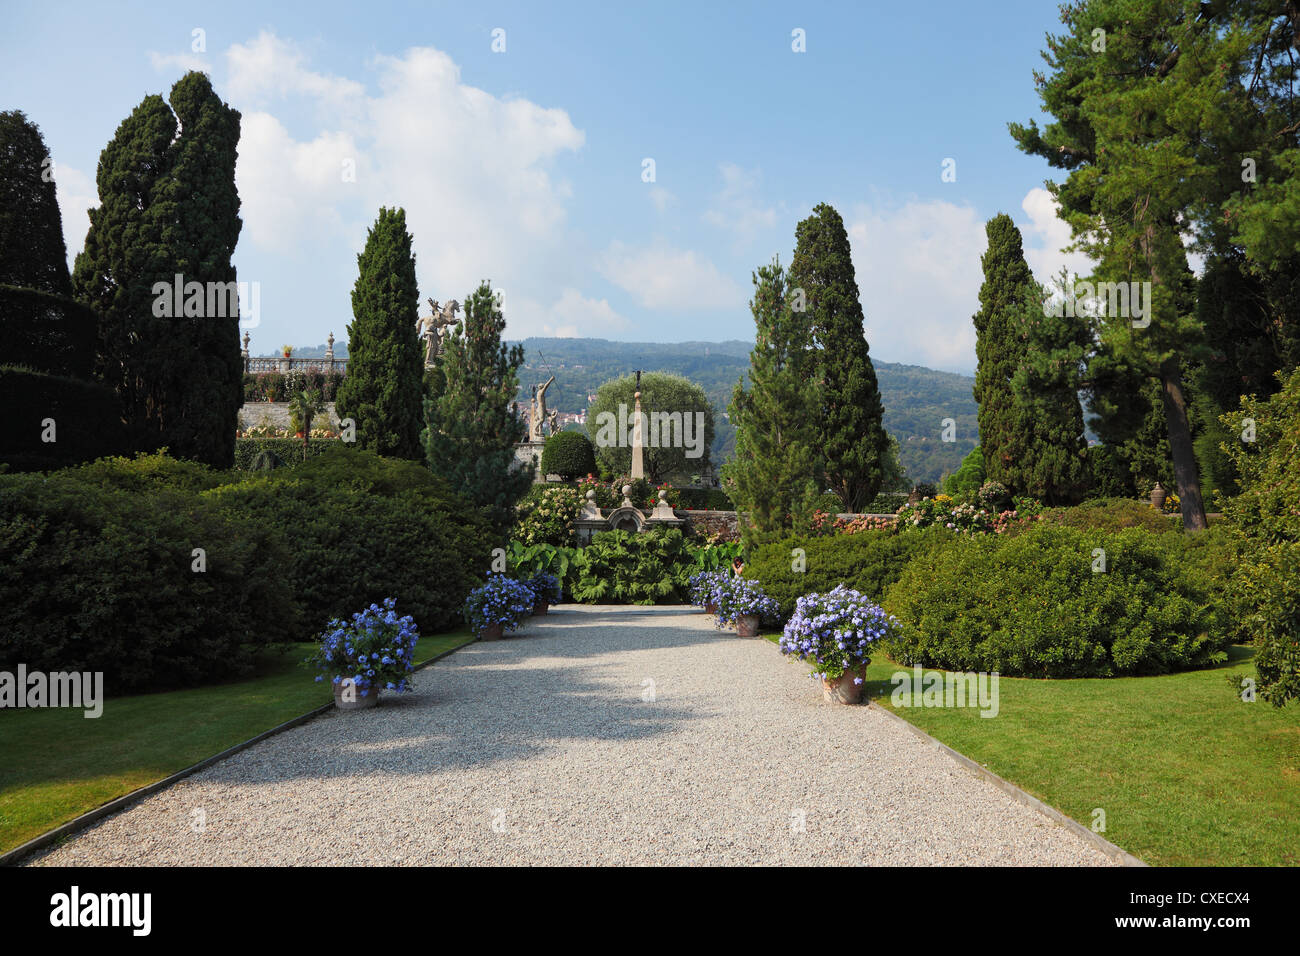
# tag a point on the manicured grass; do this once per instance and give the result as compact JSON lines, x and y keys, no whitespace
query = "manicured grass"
{"x":1187,"y":773}
{"x":56,"y":764}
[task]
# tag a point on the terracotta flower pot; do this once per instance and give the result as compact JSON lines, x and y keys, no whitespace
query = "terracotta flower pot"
{"x":541,"y":607}
{"x":747,"y":625}
{"x":349,"y":697}
{"x":843,"y":690}
{"x":490,"y":633}
{"x":710,"y":609}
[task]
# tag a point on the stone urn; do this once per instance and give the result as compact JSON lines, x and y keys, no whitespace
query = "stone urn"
{"x":349,"y":697}
{"x":541,"y":606}
{"x":490,"y":633}
{"x":1158,"y":496}
{"x":843,"y":690}
{"x":747,"y":625}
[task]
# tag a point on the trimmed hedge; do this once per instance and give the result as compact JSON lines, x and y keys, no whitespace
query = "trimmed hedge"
{"x":100,"y":577}
{"x":99,"y":573}
{"x":569,"y":455}
{"x":288,"y":449}
{"x":1112,"y":514}
{"x":1032,"y":606}
{"x":48,"y":332}
{"x":868,"y":561}
{"x":87,"y":423}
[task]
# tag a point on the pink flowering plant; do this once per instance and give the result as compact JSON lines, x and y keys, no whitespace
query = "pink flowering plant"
{"x":375,"y":650}
{"x":836,"y":631}
{"x":502,"y":600}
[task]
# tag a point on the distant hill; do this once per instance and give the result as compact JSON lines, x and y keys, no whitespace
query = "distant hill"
{"x":917,"y":399}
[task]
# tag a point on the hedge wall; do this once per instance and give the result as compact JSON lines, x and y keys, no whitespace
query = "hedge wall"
{"x":47,"y":332}
{"x":289,"y":449}
{"x":87,"y":423}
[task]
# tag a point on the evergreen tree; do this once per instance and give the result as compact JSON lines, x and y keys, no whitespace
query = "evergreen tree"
{"x":384,"y":387}
{"x":471,"y":432}
{"x":32,"y":253}
{"x":999,"y":352}
{"x":852,"y":439}
{"x":168,"y":207}
{"x":773,"y":477}
{"x":1122,"y":108}
{"x":199,"y":207}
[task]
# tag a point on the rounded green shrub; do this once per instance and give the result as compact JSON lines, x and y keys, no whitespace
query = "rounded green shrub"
{"x":569,"y":455}
{"x":867,"y":562}
{"x":1111,"y":514}
{"x":1043,"y":604}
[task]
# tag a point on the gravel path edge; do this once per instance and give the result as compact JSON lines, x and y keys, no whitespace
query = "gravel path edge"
{"x":74,"y":826}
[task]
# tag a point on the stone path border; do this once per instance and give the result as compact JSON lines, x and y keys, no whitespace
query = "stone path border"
{"x":77,"y":824}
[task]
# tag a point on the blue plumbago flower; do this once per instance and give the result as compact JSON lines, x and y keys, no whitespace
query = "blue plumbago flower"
{"x":836,"y":630}
{"x":742,"y":596}
{"x":375,"y":649}
{"x":502,"y":600}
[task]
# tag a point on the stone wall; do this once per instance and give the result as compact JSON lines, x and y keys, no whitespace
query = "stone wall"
{"x":276,"y":414}
{"x":711,"y":522}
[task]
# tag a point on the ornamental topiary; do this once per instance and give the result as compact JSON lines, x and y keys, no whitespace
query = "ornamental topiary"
{"x":569,"y":455}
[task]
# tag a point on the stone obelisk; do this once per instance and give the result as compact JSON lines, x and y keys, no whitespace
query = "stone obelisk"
{"x":638,"y":440}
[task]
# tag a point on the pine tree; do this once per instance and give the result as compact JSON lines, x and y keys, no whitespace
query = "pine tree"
{"x":471,"y":432}
{"x":852,"y":439}
{"x":32,"y":252}
{"x":773,"y":477}
{"x":1127,"y":130}
{"x":384,"y":388}
{"x":168,"y":207}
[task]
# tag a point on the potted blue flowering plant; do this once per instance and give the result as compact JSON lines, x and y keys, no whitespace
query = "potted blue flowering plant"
{"x":546,"y":591}
{"x":499,"y":605}
{"x":705,"y":587}
{"x":835,"y":633}
{"x":372,"y":652}
{"x":742,"y":602}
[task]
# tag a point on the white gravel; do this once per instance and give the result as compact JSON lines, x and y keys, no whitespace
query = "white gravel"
{"x":540,"y":749}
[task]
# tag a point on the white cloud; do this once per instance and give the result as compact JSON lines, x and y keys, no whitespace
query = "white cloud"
{"x":77,"y":194}
{"x":660,"y":277}
{"x":570,"y":316}
{"x":736,"y":207}
{"x":918,"y":272}
{"x":472,"y":170}
{"x":662,"y":198}
{"x":179,"y":62}
{"x":1045,"y":235}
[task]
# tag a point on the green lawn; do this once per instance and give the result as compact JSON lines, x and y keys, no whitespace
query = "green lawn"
{"x":1187,"y":772}
{"x":56,"y":764}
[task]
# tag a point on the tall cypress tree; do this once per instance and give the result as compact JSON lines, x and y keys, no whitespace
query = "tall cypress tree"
{"x":471,"y":433}
{"x":384,"y":388}
{"x":1028,"y":377}
{"x":773,"y":475}
{"x":168,"y":207}
{"x":123,"y":257}
{"x":853,"y":442}
{"x":999,"y":353}
{"x":199,"y":207}
{"x":32,"y":252}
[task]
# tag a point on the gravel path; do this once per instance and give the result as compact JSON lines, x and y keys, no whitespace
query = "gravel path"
{"x":540,"y":749}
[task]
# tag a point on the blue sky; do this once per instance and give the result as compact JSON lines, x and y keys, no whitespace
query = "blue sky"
{"x":525,"y":166}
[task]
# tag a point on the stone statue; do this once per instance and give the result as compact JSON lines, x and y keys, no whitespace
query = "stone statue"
{"x":433,"y":328}
{"x":537,"y":414}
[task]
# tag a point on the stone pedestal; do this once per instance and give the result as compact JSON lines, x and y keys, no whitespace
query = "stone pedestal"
{"x":528,"y":451}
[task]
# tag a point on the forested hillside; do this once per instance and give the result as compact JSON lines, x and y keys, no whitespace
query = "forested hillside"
{"x":917,"y":399}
